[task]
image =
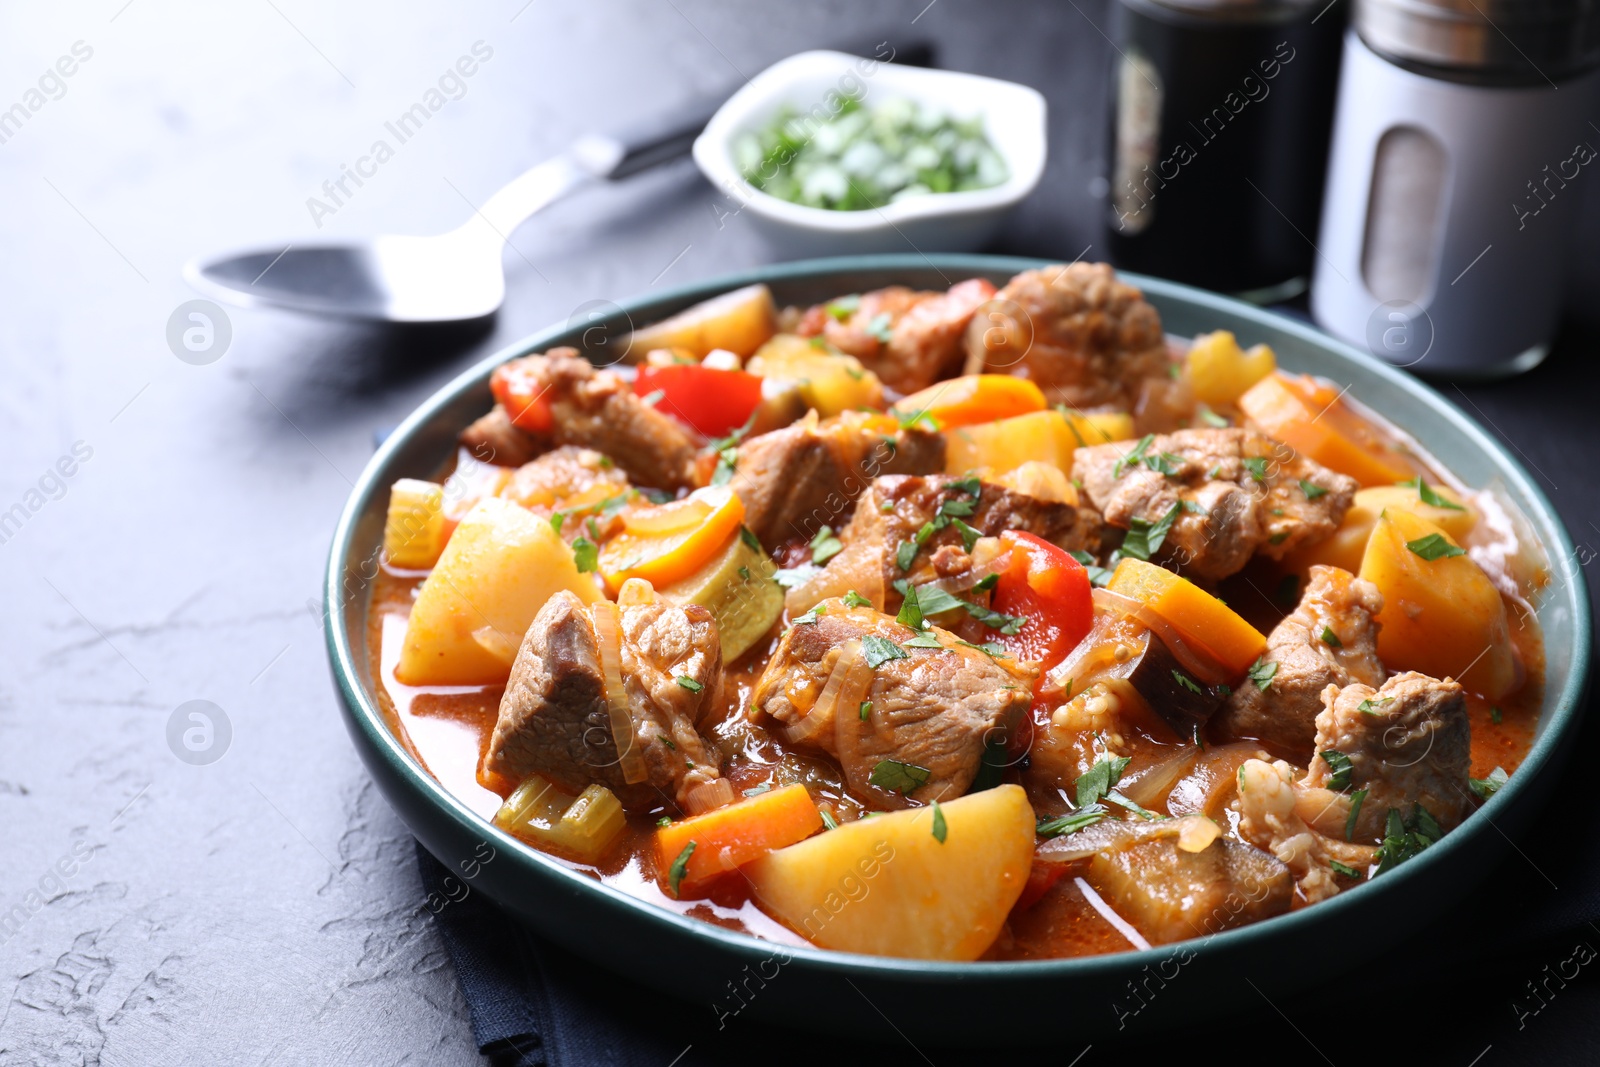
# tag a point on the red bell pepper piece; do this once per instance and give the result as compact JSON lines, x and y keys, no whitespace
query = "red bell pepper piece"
{"x":711,"y":401}
{"x":1048,"y":588}
{"x":520,"y":389}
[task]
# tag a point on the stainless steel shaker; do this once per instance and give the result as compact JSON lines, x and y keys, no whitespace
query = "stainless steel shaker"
{"x":1462,"y":128}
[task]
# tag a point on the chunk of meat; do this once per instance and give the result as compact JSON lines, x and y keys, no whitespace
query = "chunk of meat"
{"x":909,"y":339}
{"x":1277,"y":815}
{"x":596,"y":409}
{"x":1284,"y":714}
{"x":493,"y":439}
{"x":1236,"y":492}
{"x":897,"y":509}
{"x":933,"y":710}
{"x":796,"y":480}
{"x":1408,"y":743}
{"x":1087,"y":339}
{"x":554,"y":716}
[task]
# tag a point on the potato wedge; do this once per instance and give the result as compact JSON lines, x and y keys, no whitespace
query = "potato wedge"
{"x":740,"y":322}
{"x":1345,"y":547}
{"x":1441,"y":614}
{"x":1220,"y":371}
{"x":887,"y":886}
{"x":828,"y":380}
{"x":500,"y":566}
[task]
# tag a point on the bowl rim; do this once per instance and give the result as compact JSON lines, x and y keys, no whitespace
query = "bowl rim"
{"x":713,"y":147}
{"x":1563,"y":708}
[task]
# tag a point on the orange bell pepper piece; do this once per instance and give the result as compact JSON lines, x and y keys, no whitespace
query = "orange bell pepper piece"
{"x":730,"y":837}
{"x":669,"y":542}
{"x":1200,"y":618}
{"x":973,"y":399}
{"x":1310,"y":418}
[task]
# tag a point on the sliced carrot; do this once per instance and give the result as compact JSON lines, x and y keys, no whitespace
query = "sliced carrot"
{"x":669,"y":542}
{"x":973,"y":399}
{"x":1310,"y":417}
{"x":1199,"y":617}
{"x":730,"y":837}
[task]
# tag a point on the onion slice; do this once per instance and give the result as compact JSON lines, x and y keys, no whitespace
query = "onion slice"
{"x":1154,"y":783}
{"x":960,"y":583}
{"x":857,"y":567}
{"x":1197,"y":663}
{"x":608,"y":642}
{"x":848,"y":681}
{"x":708,"y":796}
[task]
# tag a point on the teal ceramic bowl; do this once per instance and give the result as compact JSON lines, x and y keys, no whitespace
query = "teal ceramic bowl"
{"x":941,"y":1003}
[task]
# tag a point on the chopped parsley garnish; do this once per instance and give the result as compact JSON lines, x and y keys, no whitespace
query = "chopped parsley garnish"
{"x":1330,"y":638}
{"x":1187,"y":682}
{"x":655,"y":496}
{"x":912,"y":420}
{"x":866,"y":710}
{"x":1098,"y":575}
{"x":990,"y":581}
{"x":1261,"y":672}
{"x":679,"y":868}
{"x":899,"y":777}
{"x":727,"y":452}
{"x":1215,"y":472}
{"x":1165,"y":463}
{"x":880,"y":650}
{"x":1257,"y":466}
{"x":1370,"y":706}
{"x":1355,"y":812}
{"x":1434,"y":546}
{"x":1311,"y":490}
{"x":556,"y":520}
{"x":1488,"y":787}
{"x":1211,"y":418}
{"x":1496,"y":716}
{"x":827,"y":819}
{"x":1100,"y":779}
{"x":651,"y":399}
{"x":750,"y":540}
{"x":939,"y":828}
{"x":744,"y":573}
{"x":585,"y":554}
{"x":665,"y":820}
{"x":843,"y":307}
{"x":992,"y":649}
{"x":969,"y":535}
{"x":594,"y":530}
{"x":1071,"y":822}
{"x":1430,"y":496}
{"x":925,"y":639}
{"x":931,"y":600}
{"x":1404,"y":839}
{"x":856,"y":600}
{"x":906,"y":554}
{"x":910,"y":611}
{"x":810,"y":618}
{"x":1341,"y":767}
{"x":689,"y":683}
{"x":1340,"y":868}
{"x":1127,"y":802}
{"x":1194,"y":507}
{"x":881,"y":326}
{"x":1144,"y":537}
{"x":825,"y":546}
{"x":1134,"y":457}
{"x":756,"y":791}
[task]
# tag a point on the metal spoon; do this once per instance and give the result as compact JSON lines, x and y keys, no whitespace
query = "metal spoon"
{"x":447,"y":278}
{"x":455,"y":276}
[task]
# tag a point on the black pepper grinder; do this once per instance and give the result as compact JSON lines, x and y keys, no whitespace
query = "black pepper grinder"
{"x":1219,"y":139}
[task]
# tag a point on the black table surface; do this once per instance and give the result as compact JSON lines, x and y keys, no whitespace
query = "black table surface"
{"x":265,"y":908}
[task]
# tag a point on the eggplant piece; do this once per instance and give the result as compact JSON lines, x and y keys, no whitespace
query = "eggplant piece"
{"x":1169,"y":892}
{"x":1171,"y":895}
{"x":1119,"y":648}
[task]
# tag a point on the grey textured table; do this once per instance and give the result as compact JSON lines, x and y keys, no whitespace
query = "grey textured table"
{"x":265,"y":908}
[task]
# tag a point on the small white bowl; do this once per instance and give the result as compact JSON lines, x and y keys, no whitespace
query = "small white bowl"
{"x":1014,"y":119}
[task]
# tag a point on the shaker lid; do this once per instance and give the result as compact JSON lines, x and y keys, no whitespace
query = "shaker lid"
{"x":1544,"y":39}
